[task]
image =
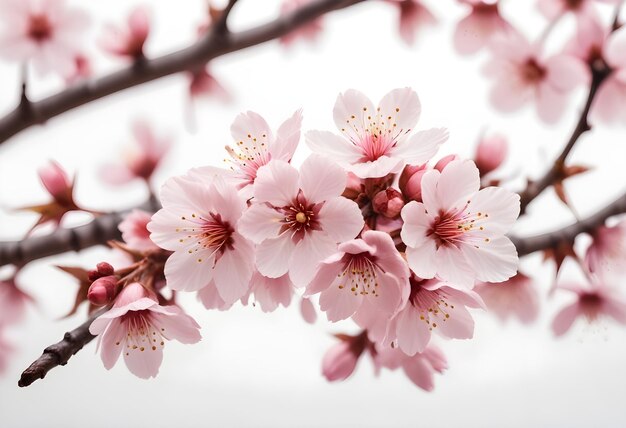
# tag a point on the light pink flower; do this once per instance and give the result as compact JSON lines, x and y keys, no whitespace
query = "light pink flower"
{"x":135,"y":231}
{"x":584,"y":10}
{"x":271,"y":292}
{"x":198,"y":222}
{"x":82,"y":69}
{"x":377,"y":140}
{"x":516,"y":297}
{"x":128,"y":41}
{"x":142,"y":160}
{"x":55,"y":180}
{"x":365,"y":275}
{"x":419,"y":368}
{"x":298,"y":218}
{"x":12,"y":302}
{"x":202,"y":83}
{"x":522,"y":75}
{"x":138,"y":326}
{"x":413,"y":17}
{"x":490,"y":153}
{"x":44,"y":32}
{"x":432,"y":307}
{"x":475,"y":30}
{"x":593,"y":300}
{"x":255,"y":145}
{"x":340,"y":360}
{"x":307,"y":310}
{"x":607,"y":252}
{"x":457,"y":233}
{"x":308,"y":32}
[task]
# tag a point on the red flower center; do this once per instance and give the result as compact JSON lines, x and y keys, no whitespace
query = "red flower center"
{"x":40,"y":28}
{"x":300,"y":217}
{"x":532,"y":71}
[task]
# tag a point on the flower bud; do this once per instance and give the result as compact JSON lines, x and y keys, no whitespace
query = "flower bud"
{"x":490,"y":153}
{"x":56,"y":182}
{"x":339,"y":361}
{"x":102,"y":290}
{"x":444,"y":161}
{"x":388,"y":202}
{"x":410,"y":182}
{"x":92,"y":275}
{"x":105,"y":269}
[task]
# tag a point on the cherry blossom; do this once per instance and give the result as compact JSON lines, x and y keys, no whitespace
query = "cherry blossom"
{"x":584,"y":10}
{"x":5,"y":350}
{"x":413,"y":17}
{"x":365,"y":275}
{"x":376,"y":141}
{"x":138,"y":326}
{"x":135,"y":231}
{"x":476,"y":30}
{"x":514,"y":298}
{"x":46,"y":33}
{"x":13,"y":302}
{"x":128,"y":41}
{"x":198,"y":223}
{"x":202,"y":83}
{"x":521,"y":75}
{"x":298,"y":217}
{"x":255,"y":145}
{"x":419,"y":368}
{"x":457,"y":233}
{"x":269,"y":293}
{"x":340,"y":361}
{"x":309,"y":32}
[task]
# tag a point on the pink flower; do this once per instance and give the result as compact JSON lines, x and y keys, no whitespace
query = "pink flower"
{"x":142,"y":161}
{"x":271,"y":292}
{"x":12,"y":302}
{"x":607,"y":252}
{"x":298,"y":217}
{"x":365,"y":275}
{"x":490,"y":153}
{"x":307,"y":32}
{"x":129,"y":41}
{"x":521,"y":75}
{"x":202,"y":83}
{"x":419,"y":368}
{"x":593,"y":300}
{"x":457,"y":233}
{"x":55,"y":180}
{"x":377,"y":140}
{"x":307,"y":310}
{"x":516,"y":297}
{"x":139,"y":326}
{"x":482,"y":23}
{"x":340,"y":361}
{"x":255,"y":145}
{"x":82,"y":69}
{"x":44,"y":32}
{"x":413,"y":17}
{"x":135,"y":231}
{"x":198,"y":222}
{"x":584,"y":10}
{"x":432,"y":307}
{"x":5,"y":351}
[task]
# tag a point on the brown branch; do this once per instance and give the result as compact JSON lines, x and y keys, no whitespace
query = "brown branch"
{"x":213,"y":45}
{"x":221,"y":25}
{"x":59,"y":353}
{"x":567,"y":234}
{"x":98,"y":232}
{"x":599,"y":73}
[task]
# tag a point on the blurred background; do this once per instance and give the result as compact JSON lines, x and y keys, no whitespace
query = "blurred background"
{"x":256,"y":369}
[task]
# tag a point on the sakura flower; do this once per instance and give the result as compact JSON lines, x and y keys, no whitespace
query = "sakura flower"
{"x":607,"y":252}
{"x":129,"y":41}
{"x":82,"y":69}
{"x":141,"y":161}
{"x":377,"y":140}
{"x":255,"y":145}
{"x":584,"y":10}
{"x":490,"y":153}
{"x":516,"y":297}
{"x":138,"y":326}
{"x":308,"y":32}
{"x":413,"y":17}
{"x":457,"y":233}
{"x":432,"y":306}
{"x":198,"y":223}
{"x":298,"y":217}
{"x":12,"y":302}
{"x":45,"y":33}
{"x":271,"y":292}
{"x":340,"y":360}
{"x":202,"y":83}
{"x":365,"y":275}
{"x":522,"y":75}
{"x":135,"y":231}
{"x":475,"y":31}
{"x":595,"y":299}
{"x":419,"y":368}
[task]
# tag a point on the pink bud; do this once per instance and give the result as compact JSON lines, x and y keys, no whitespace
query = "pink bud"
{"x":105,"y":269}
{"x":444,"y":161}
{"x":339,"y":361}
{"x":411,"y":183}
{"x":102,"y":290}
{"x":55,"y":180}
{"x":93,"y":274}
{"x":490,"y":153}
{"x":388,"y":202}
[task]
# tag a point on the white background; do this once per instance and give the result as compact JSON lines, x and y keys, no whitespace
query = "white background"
{"x":255,"y":369}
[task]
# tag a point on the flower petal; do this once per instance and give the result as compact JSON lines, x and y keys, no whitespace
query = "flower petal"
{"x":321,"y":179}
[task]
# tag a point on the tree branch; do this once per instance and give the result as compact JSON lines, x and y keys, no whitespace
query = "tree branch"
{"x":59,"y":353}
{"x":599,"y":73}
{"x":567,"y":234}
{"x":98,"y":232}
{"x":209,"y":47}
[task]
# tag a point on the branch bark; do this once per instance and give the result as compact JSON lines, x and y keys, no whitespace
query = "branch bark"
{"x":59,"y":353}
{"x":213,"y":45}
{"x":98,"y":232}
{"x":567,"y":234}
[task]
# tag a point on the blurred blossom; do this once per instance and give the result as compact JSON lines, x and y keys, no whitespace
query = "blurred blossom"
{"x":515,"y":298}
{"x":135,"y":232}
{"x":584,"y":10}
{"x":12,"y":302}
{"x":476,"y":30}
{"x":307,"y":310}
{"x":419,"y":368}
{"x":45,"y":33}
{"x":490,"y":153}
{"x":607,"y":252}
{"x":202,"y":83}
{"x":5,"y":350}
{"x":310,"y":31}
{"x":340,"y":360}
{"x":82,"y":69}
{"x":413,"y":18}
{"x":521,"y":75}
{"x":128,"y":41}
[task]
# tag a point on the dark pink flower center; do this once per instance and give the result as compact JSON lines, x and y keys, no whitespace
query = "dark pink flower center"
{"x":300,"y":217}
{"x":211,"y":233}
{"x":360,"y":274}
{"x":39,"y":28}
{"x":141,"y":333}
{"x":432,"y":305}
{"x":574,"y":4}
{"x":591,"y":304}
{"x":452,"y":227}
{"x":532,"y":71}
